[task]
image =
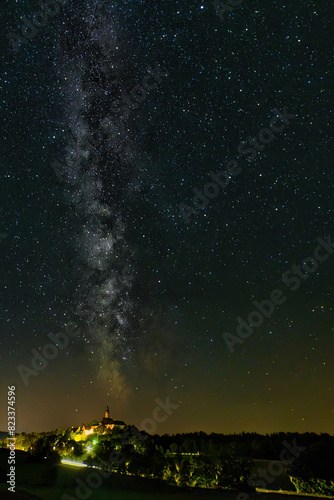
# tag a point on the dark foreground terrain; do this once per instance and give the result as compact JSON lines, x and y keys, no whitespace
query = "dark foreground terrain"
{"x":34,"y":481}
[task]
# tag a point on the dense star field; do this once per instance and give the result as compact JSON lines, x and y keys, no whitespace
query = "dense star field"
{"x":166,"y":213}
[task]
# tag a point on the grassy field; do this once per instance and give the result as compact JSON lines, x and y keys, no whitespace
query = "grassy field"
{"x":31,"y":479}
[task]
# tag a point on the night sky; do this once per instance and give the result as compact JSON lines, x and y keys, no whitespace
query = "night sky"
{"x":114,"y":114}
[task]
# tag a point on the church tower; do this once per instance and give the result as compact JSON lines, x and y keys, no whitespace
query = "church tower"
{"x":106,"y":413}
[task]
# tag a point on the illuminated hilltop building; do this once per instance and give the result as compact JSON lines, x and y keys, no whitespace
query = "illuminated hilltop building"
{"x":107,"y":422}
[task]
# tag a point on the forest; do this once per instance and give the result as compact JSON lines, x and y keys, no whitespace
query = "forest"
{"x":190,"y":459}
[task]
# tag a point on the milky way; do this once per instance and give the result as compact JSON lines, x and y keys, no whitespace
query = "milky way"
{"x":101,"y":182}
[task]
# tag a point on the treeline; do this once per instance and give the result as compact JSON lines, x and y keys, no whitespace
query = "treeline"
{"x":192,"y":459}
{"x":24,"y":440}
{"x":129,"y":451}
{"x":250,"y":444}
